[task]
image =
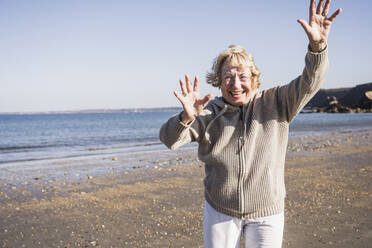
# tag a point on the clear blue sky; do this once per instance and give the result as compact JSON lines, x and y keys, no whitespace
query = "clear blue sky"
{"x":87,"y":54}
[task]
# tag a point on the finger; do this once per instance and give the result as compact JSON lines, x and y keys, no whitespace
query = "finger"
{"x":326,"y":8}
{"x":304,"y":25}
{"x":320,"y":7}
{"x":183,"y":88}
{"x":196,"y":84}
{"x":206,"y":99}
{"x":179,"y":97}
{"x":188,"y":83}
{"x":334,"y":15}
{"x":311,"y":9}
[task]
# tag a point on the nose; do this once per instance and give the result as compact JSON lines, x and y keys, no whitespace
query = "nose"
{"x":235,"y":82}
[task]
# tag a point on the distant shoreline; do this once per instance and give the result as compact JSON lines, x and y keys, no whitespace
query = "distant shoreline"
{"x":306,"y":110}
{"x":349,"y":97}
{"x":92,"y":111}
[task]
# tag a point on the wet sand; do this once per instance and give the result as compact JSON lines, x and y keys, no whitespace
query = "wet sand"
{"x":158,"y":202}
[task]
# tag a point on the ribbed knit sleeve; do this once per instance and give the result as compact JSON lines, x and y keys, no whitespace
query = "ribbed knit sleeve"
{"x":174,"y":133}
{"x":295,"y":95}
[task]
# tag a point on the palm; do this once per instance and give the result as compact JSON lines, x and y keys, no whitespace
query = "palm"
{"x":319,"y":29}
{"x":190,"y":99}
{"x":192,"y":104}
{"x":319,"y":25}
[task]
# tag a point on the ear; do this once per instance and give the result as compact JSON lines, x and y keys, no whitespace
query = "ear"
{"x":219,"y":83}
{"x":257,"y":84}
{"x":253,"y":84}
{"x":255,"y":80}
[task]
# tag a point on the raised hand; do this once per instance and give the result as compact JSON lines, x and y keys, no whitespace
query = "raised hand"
{"x":190,"y":100}
{"x":319,"y":24}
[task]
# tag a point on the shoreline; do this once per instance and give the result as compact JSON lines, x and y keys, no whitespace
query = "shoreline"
{"x":328,"y":203}
{"x":20,"y":152}
{"x":131,"y":154}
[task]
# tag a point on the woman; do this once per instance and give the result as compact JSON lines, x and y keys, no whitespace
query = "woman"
{"x":243,"y":137}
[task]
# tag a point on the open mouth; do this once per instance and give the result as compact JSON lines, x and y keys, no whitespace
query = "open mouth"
{"x":236,"y":94}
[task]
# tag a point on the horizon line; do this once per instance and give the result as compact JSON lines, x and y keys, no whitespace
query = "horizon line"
{"x":96,"y":110}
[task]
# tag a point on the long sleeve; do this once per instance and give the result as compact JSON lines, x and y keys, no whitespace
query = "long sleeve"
{"x":174,"y":133}
{"x":295,"y":95}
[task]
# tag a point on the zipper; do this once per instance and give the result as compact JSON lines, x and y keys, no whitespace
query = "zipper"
{"x":241,"y":142}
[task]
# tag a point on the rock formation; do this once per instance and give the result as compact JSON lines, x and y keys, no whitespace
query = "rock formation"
{"x":343,"y":100}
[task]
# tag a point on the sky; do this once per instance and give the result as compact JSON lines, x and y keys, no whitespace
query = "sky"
{"x":90,"y":54}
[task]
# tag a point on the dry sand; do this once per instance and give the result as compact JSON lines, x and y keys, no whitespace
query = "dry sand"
{"x":328,"y":181}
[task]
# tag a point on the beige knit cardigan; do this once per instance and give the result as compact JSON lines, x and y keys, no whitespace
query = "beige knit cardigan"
{"x":244,"y":148}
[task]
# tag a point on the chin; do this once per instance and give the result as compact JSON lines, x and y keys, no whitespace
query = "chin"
{"x":236,"y":102}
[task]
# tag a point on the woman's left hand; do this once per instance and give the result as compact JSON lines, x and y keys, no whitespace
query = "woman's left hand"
{"x":319,"y":24}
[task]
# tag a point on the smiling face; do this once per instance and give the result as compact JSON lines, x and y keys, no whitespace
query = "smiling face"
{"x":236,"y":84}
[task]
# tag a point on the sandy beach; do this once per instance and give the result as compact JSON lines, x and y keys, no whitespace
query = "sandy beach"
{"x":158,"y":202}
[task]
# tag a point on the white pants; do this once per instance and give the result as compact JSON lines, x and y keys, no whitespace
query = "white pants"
{"x":223,"y":231}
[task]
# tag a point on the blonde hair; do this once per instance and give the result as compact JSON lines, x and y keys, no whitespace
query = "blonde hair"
{"x":237,"y":56}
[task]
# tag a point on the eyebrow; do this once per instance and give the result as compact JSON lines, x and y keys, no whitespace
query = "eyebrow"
{"x":239,"y":73}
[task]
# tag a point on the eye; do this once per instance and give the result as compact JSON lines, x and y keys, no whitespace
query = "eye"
{"x":227,"y":78}
{"x":243,"y":77}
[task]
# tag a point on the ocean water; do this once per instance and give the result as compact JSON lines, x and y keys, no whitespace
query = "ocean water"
{"x":30,"y":137}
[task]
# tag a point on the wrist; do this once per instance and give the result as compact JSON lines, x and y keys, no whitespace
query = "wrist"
{"x":186,"y":119}
{"x":317,"y":47}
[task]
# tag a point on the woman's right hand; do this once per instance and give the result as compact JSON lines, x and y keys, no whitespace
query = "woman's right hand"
{"x":190,"y":100}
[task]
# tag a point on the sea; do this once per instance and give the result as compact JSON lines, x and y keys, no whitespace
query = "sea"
{"x":46,"y":136}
